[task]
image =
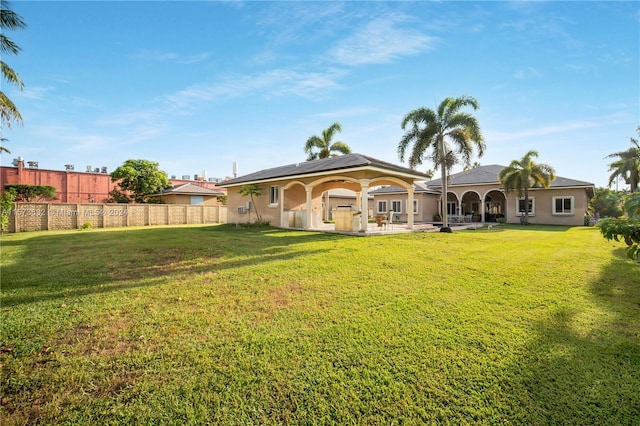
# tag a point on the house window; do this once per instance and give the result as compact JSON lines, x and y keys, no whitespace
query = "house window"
{"x":196,"y":199}
{"x":273,"y":195}
{"x":396,"y":206}
{"x":415,"y":206}
{"x":531,"y":207}
{"x":563,"y":205}
{"x":382,"y":207}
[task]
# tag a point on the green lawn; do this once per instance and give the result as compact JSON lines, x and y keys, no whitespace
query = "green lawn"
{"x":220,"y":325}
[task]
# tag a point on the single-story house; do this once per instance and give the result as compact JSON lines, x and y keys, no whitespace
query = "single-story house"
{"x":188,"y":193}
{"x":292,"y":194}
{"x":477,"y":195}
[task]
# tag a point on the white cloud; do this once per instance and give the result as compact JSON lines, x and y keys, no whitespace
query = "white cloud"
{"x":347,"y":112}
{"x":277,"y":82}
{"x":160,"y":56}
{"x":527,"y":73}
{"x":381,"y":41}
{"x":550,"y":129}
{"x":35,"y":92}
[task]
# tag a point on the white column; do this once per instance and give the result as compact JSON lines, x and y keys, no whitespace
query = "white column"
{"x":364,"y":205}
{"x":307,"y":225}
{"x":482,"y":209}
{"x":284,"y":222}
{"x":410,"y":207}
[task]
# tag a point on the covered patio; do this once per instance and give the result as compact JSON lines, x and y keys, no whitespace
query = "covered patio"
{"x":292,"y":195}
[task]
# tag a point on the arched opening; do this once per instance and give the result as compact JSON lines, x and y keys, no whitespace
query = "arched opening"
{"x":494,"y":206}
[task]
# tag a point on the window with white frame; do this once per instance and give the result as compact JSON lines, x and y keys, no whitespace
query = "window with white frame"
{"x":415,"y":206}
{"x":396,"y":206}
{"x":382,"y":206}
{"x":563,"y":205}
{"x":273,"y":195}
{"x":520,"y":206}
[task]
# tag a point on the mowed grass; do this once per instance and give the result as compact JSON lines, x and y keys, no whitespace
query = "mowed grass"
{"x":220,"y":325}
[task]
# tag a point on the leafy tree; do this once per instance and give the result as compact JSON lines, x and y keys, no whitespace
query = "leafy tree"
{"x":625,"y":229}
{"x":9,"y":20}
{"x":322,"y":146}
{"x":252,"y":190}
{"x":31,"y":192}
{"x":6,"y":205}
{"x":116,"y":196}
{"x":606,"y":203}
{"x":523,"y":174}
{"x":139,"y":178}
{"x":627,"y":165}
{"x":445,"y":133}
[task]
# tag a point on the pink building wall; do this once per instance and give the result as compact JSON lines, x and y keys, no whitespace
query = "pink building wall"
{"x":72,"y":186}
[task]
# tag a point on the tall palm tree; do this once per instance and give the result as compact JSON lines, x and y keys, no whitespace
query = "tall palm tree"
{"x":322,"y":146}
{"x":627,"y":165}
{"x":446,"y":133}
{"x":523,"y":174}
{"x":9,"y":20}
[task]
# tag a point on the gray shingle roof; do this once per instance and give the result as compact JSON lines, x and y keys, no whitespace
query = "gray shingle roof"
{"x":489,"y":175}
{"x":342,"y":162}
{"x":421,"y":187}
{"x":191,"y":189}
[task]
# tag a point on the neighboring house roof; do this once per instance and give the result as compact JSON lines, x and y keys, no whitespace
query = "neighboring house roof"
{"x":325,"y":165}
{"x":190,"y":189}
{"x":344,"y":193}
{"x":483,"y":175}
{"x":420,"y":187}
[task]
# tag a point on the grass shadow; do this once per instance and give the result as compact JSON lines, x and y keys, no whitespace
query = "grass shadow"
{"x":141,"y":257}
{"x":579,"y":371}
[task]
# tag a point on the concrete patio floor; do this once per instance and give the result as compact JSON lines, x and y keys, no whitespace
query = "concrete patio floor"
{"x":396,"y":228}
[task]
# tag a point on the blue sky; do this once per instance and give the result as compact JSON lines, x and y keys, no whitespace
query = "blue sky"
{"x":196,"y":86}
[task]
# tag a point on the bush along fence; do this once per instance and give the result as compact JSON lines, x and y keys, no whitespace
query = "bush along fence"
{"x":53,"y":216}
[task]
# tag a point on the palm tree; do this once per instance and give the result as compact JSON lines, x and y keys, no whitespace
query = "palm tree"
{"x":523,"y":174}
{"x":12,"y":21}
{"x":627,"y":166}
{"x":447,"y":132}
{"x":321,"y":147}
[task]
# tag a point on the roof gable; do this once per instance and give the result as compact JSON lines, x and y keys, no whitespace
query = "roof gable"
{"x":190,"y":189}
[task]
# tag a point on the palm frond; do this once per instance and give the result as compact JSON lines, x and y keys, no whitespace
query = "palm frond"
{"x":8,"y":111}
{"x":10,"y":75}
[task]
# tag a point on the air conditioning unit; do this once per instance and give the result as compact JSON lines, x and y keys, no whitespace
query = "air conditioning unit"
{"x":185,"y":177}
{"x":69,"y":167}
{"x":242,"y":210}
{"x":173,"y":176}
{"x":89,"y":169}
{"x":103,"y":170}
{"x":33,"y":164}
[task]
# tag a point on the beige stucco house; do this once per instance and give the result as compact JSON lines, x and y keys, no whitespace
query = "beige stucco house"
{"x":291,"y":195}
{"x":476,"y":196}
